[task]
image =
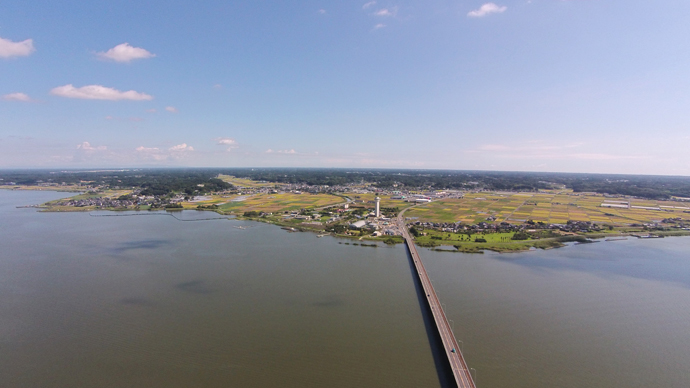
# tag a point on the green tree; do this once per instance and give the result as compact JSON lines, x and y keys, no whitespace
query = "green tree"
{"x":414,"y":231}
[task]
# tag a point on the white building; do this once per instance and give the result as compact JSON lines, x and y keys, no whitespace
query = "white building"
{"x":358,"y":224}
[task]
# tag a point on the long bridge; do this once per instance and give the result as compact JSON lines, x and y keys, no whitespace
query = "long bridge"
{"x":461,"y":373}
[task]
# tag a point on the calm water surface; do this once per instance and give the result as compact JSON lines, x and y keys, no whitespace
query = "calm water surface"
{"x":609,"y":314}
{"x":149,"y":301}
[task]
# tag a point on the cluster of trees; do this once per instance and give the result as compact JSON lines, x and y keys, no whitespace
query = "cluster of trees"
{"x":519,"y":236}
{"x":170,"y":181}
{"x":432,"y":179}
{"x":390,"y":211}
{"x":188,"y":185}
{"x":339,"y":229}
{"x":200,"y":181}
{"x":414,"y":231}
{"x":158,"y":182}
{"x":655,"y":187}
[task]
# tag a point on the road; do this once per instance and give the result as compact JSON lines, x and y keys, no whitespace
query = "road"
{"x":347,"y":200}
{"x":462,"y":375}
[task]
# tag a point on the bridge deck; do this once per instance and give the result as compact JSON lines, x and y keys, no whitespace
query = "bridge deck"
{"x":462,"y":375}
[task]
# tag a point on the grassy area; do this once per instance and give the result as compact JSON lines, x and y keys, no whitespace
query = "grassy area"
{"x":474,"y":243}
{"x":452,"y":238}
{"x":501,"y":242}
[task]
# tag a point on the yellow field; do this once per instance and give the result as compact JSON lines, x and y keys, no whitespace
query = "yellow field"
{"x":68,"y":188}
{"x":241,"y":182}
{"x":546,"y":207}
{"x":270,"y":203}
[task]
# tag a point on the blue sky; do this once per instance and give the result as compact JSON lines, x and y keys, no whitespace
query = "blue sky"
{"x":540,"y":85}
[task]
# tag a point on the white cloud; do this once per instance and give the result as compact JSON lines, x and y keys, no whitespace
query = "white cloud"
{"x":151,"y":110}
{"x":321,"y":11}
{"x":369,"y":4}
{"x":125,"y":53}
{"x":486,"y":9}
{"x":289,"y":152}
{"x":171,"y":109}
{"x":386,"y":12}
{"x":151,"y":153}
{"x":86,"y":146}
{"x":17,"y":97}
{"x":181,"y":147}
{"x":218,"y":86}
{"x":378,"y":26}
{"x":98,"y":92}
{"x":226,"y":141}
{"x":177,"y":152}
{"x":147,"y":149}
{"x":10,"y":49}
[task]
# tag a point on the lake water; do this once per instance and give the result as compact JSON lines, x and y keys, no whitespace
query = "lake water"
{"x":152,"y":301}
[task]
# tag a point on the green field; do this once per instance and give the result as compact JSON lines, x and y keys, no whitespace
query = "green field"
{"x":497,"y":242}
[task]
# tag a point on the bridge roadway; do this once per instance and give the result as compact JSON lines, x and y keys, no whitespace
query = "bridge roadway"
{"x":462,"y":375}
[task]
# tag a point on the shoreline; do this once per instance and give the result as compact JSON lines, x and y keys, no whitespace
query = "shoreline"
{"x":465,"y":247}
{"x":453,"y":246}
{"x":548,"y":243}
{"x":41,"y":188}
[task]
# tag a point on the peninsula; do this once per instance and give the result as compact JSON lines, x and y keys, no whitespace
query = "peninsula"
{"x":458,"y":211}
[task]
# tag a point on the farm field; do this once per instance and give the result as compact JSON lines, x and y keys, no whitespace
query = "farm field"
{"x":270,"y":203}
{"x":551,"y":208}
{"x":243,"y":182}
{"x":367,"y":200}
{"x":67,"y":188}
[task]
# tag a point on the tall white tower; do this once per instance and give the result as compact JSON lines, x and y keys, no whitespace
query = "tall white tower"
{"x":378,"y":207}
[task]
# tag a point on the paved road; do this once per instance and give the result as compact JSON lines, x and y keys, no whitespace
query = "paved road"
{"x":462,"y":375}
{"x":347,"y":200}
